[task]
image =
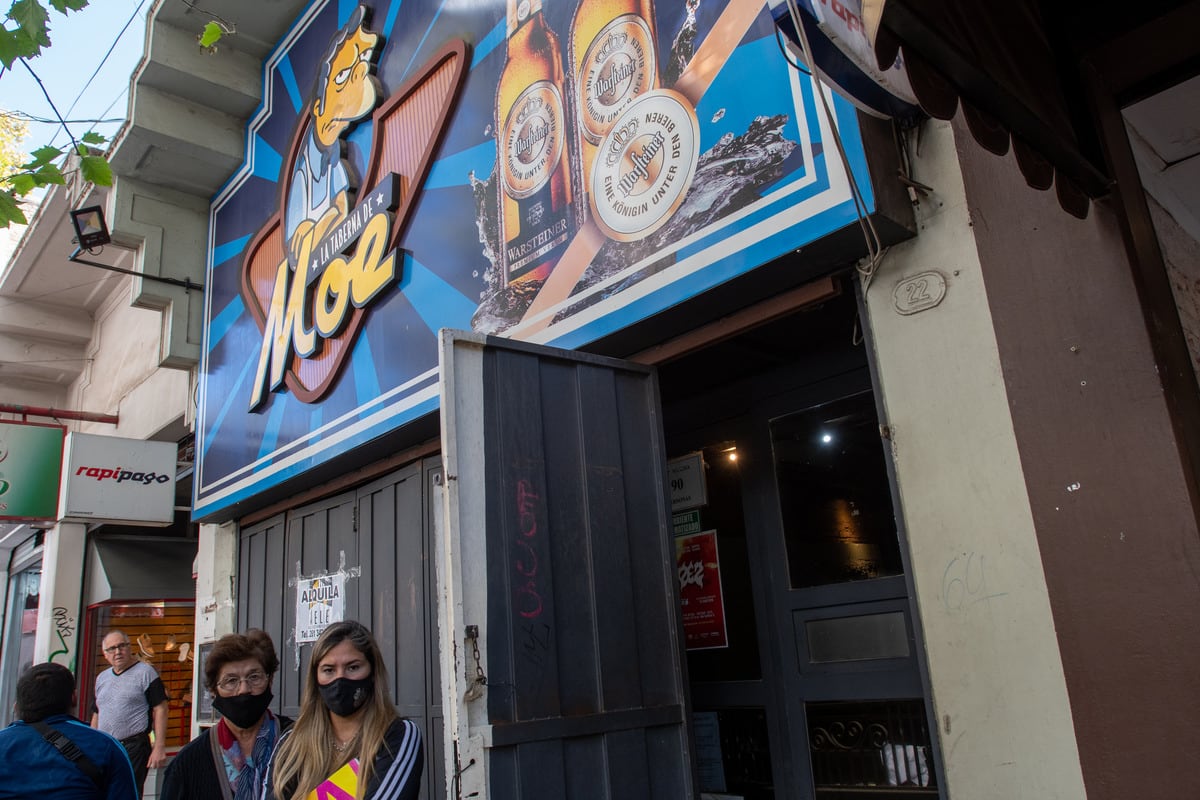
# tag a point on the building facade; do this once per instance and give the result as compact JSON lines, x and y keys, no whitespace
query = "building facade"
{"x":731,"y":499}
{"x":82,"y":354}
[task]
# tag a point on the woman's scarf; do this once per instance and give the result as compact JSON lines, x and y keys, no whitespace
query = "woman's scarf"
{"x":246,"y":774}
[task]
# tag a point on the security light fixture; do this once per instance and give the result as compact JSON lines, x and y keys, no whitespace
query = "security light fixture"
{"x":91,"y":231}
{"x":90,"y":228}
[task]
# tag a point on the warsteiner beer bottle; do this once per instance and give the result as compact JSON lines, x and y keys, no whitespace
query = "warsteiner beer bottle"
{"x":612,"y":60}
{"x":536,"y":216}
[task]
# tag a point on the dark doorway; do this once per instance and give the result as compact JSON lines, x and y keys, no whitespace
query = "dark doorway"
{"x":814,"y":690}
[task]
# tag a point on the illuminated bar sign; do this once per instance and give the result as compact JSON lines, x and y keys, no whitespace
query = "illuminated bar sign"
{"x":30,"y":466}
{"x":550,"y":172}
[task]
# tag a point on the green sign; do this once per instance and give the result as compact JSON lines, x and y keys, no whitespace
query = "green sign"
{"x":685,"y":523}
{"x":30,"y":470}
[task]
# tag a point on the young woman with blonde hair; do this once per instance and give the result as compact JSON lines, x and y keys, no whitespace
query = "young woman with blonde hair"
{"x":348,"y":731}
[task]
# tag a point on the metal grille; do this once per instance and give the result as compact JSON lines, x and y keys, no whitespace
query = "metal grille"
{"x":880,"y":749}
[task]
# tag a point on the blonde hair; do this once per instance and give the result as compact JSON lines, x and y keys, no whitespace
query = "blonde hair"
{"x":305,"y":758}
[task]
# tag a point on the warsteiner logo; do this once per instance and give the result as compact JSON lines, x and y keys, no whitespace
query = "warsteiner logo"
{"x":314,"y":270}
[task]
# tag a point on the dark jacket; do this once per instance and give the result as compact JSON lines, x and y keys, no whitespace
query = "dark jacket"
{"x":193,"y":773}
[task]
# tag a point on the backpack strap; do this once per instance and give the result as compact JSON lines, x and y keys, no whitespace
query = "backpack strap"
{"x":70,"y":751}
{"x":214,"y":749}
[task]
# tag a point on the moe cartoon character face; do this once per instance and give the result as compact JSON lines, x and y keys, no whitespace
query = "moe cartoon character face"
{"x":347,"y":91}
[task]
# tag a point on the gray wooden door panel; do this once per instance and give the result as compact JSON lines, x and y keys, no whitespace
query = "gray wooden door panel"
{"x":586,"y":696}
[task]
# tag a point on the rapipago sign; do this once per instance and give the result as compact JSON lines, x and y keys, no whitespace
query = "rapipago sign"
{"x":113,"y":479}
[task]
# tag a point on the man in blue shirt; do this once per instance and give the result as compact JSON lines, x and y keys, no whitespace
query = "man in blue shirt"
{"x":31,"y":766}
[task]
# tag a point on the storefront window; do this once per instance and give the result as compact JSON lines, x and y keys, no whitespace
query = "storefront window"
{"x":162,"y":636}
{"x":834,"y":497}
{"x":20,"y":628}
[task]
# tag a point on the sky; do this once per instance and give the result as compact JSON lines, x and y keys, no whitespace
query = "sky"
{"x":80,"y":44}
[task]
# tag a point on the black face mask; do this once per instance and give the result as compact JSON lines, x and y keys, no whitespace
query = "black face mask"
{"x":345,"y":696}
{"x":243,"y":710}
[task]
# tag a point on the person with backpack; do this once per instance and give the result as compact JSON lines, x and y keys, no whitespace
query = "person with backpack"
{"x":49,"y":753}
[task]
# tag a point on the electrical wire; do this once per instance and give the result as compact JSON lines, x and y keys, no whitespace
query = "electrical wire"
{"x":796,"y":65}
{"x":54,"y":108}
{"x":103,"y":61}
{"x":21,"y":115}
{"x":123,"y":93}
{"x":875,"y":249}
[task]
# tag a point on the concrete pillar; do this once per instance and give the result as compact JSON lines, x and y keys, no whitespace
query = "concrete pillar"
{"x":216,"y":582}
{"x":995,"y":668}
{"x":59,"y":611}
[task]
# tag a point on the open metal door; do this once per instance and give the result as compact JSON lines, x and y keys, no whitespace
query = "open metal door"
{"x":562,"y":673}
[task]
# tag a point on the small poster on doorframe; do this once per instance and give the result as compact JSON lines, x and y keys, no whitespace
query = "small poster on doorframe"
{"x":320,"y":602}
{"x":700,"y":597}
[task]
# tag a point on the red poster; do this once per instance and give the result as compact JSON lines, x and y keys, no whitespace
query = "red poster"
{"x":700,"y":591}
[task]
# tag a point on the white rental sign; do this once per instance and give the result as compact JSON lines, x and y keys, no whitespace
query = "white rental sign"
{"x":320,"y":602}
{"x":110,"y":479}
{"x":685,"y":476}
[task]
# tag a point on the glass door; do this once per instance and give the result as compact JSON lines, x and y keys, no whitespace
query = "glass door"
{"x":839,"y":598}
{"x":730,"y":698}
{"x":818,"y":691}
{"x":20,"y":630}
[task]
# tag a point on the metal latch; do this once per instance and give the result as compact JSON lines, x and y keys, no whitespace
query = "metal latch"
{"x":476,"y":682}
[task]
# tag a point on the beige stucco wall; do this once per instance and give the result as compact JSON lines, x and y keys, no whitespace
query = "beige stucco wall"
{"x":998,"y":691}
{"x":123,"y":376}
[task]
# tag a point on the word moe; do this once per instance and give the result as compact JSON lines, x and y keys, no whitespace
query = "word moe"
{"x":316,"y":300}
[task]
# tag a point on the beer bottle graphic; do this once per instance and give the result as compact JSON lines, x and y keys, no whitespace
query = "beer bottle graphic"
{"x":536,"y":216}
{"x":613,"y":61}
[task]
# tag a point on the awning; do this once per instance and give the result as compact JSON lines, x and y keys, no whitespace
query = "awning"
{"x":140,"y":568}
{"x":998,"y":61}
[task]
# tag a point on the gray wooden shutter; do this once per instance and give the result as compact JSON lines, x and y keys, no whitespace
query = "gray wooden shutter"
{"x":556,"y":547}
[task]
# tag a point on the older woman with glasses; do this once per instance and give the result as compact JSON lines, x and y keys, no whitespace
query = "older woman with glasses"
{"x":228,"y":761}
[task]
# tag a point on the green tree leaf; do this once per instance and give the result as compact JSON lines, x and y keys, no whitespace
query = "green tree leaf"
{"x":31,"y":34}
{"x":96,"y":170}
{"x":33,"y":20}
{"x":48,"y":174}
{"x":43,"y":155}
{"x":10,"y":211}
{"x":22,"y":183}
{"x":16,"y":44}
{"x":211,"y":35}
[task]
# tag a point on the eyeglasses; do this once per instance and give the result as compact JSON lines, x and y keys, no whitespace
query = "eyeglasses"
{"x":231,"y":683}
{"x":114,"y":648}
